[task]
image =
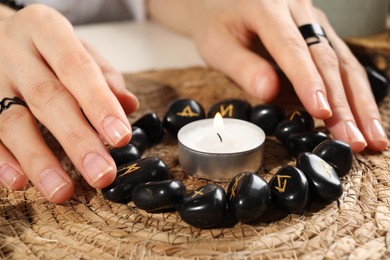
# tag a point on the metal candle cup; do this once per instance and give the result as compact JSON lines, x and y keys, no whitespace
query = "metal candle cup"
{"x":220,"y":155}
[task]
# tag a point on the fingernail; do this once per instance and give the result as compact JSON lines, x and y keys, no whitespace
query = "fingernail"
{"x":115,"y":129}
{"x":353,"y":133}
{"x":322,"y":103}
{"x":8,"y":175}
{"x":261,"y":84}
{"x":377,"y":132}
{"x":96,"y":167}
{"x":51,"y":182}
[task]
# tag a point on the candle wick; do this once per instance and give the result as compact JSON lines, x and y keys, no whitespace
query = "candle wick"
{"x":220,"y":138}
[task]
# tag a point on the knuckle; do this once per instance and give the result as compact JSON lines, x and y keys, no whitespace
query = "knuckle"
{"x":368,"y":103}
{"x":32,"y":157}
{"x":340,"y":107}
{"x":73,"y":62}
{"x":10,"y":119}
{"x":38,"y":10}
{"x":44,"y":94}
{"x":75,"y":136}
{"x":35,"y":159}
{"x":106,"y":103}
{"x":294,"y":41}
{"x":338,"y":102}
{"x":349,"y":62}
{"x":41,"y":16}
{"x":37,"y":13}
{"x":106,"y":68}
{"x":327,"y":56}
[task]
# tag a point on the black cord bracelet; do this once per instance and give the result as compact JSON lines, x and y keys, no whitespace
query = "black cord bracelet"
{"x":12,"y":4}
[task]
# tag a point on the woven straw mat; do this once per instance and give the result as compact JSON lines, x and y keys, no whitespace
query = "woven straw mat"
{"x":356,"y":226}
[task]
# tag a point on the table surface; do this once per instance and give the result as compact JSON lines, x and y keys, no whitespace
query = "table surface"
{"x":90,"y":227}
{"x":133,"y":47}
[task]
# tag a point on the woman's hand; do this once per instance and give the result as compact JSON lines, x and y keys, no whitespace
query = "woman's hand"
{"x":61,"y":80}
{"x":328,"y":79}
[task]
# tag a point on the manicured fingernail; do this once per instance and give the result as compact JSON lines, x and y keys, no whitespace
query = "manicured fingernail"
{"x":322,"y":103}
{"x":261,"y":85}
{"x":353,"y":133}
{"x":378,"y":133}
{"x":115,"y":129}
{"x":96,"y":167}
{"x":8,"y":175}
{"x":51,"y":182}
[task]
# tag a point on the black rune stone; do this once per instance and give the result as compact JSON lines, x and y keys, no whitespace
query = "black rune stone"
{"x":296,"y":122}
{"x":204,"y":207}
{"x":322,"y":177}
{"x":152,"y":126}
{"x":124,"y":154}
{"x":159,"y":196}
{"x":139,"y":139}
{"x":267,"y":117}
{"x":378,"y":82}
{"x":304,"y":142}
{"x":290,"y":189}
{"x":248,"y":197}
{"x":181,"y":112}
{"x":231,"y":108}
{"x":302,"y":117}
{"x":130,"y":175}
{"x":336,"y":153}
{"x":287,"y":128}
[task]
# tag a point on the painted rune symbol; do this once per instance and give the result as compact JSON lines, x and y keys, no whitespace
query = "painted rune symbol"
{"x":282,"y":179}
{"x":228,"y":109}
{"x":327,"y":168}
{"x":294,"y":114}
{"x":234,"y":187}
{"x":187,"y":112}
{"x":198,"y":193}
{"x":128,"y":169}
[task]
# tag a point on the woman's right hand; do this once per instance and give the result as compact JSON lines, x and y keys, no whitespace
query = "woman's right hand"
{"x":327,"y":78}
{"x":61,"y":80}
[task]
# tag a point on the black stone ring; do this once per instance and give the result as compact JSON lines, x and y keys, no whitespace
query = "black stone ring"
{"x":6,"y":103}
{"x":312,"y":33}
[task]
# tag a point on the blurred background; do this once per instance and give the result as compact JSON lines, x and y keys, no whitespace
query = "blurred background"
{"x":356,"y":18}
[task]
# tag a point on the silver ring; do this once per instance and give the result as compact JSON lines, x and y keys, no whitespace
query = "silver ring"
{"x":6,"y":103}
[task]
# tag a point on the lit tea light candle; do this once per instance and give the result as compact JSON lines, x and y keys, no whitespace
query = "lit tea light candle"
{"x":220,"y":148}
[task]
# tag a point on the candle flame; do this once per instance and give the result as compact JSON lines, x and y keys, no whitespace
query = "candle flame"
{"x":218,"y":123}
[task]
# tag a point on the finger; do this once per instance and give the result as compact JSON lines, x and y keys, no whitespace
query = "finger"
{"x":11,"y":174}
{"x":115,"y":81}
{"x":358,"y":91}
{"x":256,"y":75}
{"x":342,"y":123}
{"x":57,"y":109}
{"x":283,"y":40}
{"x":79,"y":73}
{"x":20,"y":134}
